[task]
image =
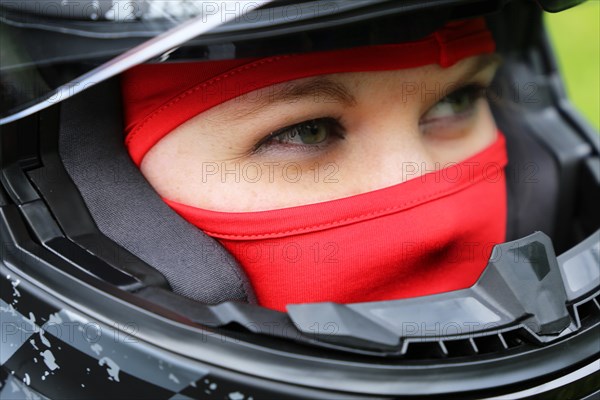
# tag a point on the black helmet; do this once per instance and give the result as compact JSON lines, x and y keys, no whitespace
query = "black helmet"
{"x":101,"y":297}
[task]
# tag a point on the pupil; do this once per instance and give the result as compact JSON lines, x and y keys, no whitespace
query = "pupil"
{"x":312,"y":129}
{"x":460,"y":102}
{"x":311,"y":133}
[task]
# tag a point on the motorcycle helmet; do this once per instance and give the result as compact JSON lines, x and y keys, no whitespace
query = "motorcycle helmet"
{"x":106,"y":292}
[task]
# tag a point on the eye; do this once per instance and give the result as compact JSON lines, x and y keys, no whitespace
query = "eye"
{"x":459,"y":103}
{"x":311,"y":133}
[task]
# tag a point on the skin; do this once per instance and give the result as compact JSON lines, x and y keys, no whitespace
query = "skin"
{"x":222,"y":159}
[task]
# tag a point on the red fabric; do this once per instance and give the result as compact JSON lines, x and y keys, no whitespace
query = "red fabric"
{"x":428,"y":235}
{"x":160,"y":97}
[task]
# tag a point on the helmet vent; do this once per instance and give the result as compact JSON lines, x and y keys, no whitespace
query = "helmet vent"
{"x":490,"y":344}
{"x":495,"y":342}
{"x":461,"y":347}
{"x":588,"y":310}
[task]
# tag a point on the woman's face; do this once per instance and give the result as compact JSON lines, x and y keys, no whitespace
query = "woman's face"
{"x":324,"y":138}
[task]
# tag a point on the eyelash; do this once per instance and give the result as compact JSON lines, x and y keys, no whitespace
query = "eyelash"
{"x":473,"y":92}
{"x":275,"y":138}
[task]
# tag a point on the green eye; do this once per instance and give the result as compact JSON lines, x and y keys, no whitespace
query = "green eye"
{"x":309,"y":133}
{"x":459,"y":102}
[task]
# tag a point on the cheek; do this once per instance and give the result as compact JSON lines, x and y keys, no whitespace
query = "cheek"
{"x":258,"y":186}
{"x":168,"y":167}
{"x":189,"y":177}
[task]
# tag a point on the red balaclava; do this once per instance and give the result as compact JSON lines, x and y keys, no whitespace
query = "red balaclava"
{"x":431,"y":234}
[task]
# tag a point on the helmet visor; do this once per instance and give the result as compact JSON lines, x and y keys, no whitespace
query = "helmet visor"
{"x":52,"y":50}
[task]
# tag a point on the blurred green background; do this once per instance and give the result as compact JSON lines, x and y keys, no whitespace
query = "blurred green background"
{"x":575,"y":34}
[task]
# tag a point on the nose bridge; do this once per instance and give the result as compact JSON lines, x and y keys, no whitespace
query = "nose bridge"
{"x":421,"y":91}
{"x":404,"y":157}
{"x":392,"y":144}
{"x":395,"y":152}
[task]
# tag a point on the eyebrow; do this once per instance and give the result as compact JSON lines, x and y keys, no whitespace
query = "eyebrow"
{"x":321,"y":89}
{"x":483,"y":62}
{"x":324,"y":89}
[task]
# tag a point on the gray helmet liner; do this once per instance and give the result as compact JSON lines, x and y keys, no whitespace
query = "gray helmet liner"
{"x":127,"y":210}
